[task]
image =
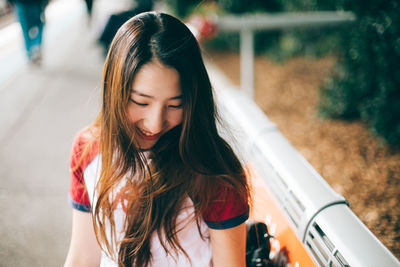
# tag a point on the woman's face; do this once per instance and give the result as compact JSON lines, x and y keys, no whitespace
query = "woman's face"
{"x":155,"y":104}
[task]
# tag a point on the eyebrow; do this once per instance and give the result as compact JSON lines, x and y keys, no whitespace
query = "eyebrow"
{"x":149,"y":96}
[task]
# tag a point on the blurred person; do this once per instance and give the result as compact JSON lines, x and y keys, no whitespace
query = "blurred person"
{"x":116,"y":20}
{"x":30,"y":14}
{"x":152,"y":181}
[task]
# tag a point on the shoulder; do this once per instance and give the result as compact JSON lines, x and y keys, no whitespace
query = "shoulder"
{"x":86,"y":136}
{"x":227,"y":208}
{"x":86,"y":142}
{"x":84,"y":149}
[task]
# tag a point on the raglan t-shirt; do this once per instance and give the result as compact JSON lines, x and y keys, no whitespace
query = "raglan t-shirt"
{"x":85,"y":167}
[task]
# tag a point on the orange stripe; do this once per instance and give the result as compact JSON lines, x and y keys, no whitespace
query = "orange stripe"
{"x":266,"y":209}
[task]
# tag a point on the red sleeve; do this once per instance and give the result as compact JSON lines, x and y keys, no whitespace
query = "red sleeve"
{"x":84,"y":149}
{"x":227,"y":210}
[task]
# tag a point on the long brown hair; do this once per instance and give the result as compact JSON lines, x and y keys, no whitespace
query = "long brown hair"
{"x":191,"y":160}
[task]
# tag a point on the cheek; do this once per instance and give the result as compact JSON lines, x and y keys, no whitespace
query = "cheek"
{"x":176,"y":118}
{"x":133,"y":115}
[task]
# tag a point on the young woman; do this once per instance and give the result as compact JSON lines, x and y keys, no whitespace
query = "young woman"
{"x":153,"y":183}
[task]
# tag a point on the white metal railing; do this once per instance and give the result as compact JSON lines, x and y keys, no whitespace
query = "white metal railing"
{"x":246,"y":25}
{"x":332,"y":234}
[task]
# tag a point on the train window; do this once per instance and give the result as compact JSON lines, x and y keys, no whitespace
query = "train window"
{"x":341,"y":260}
{"x":326,"y":240}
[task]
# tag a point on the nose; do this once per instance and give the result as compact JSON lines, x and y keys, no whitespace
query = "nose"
{"x":155,"y":120}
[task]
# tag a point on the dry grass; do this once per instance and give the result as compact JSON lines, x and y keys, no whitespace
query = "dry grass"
{"x":351,"y":160}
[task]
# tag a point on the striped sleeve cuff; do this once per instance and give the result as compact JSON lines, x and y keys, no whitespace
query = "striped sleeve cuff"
{"x":79,"y":206}
{"x":229,"y":223}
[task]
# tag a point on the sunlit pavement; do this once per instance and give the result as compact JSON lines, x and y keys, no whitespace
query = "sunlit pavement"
{"x":40,"y":111}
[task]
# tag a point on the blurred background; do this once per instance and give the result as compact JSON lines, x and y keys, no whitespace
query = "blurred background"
{"x":334,"y":92}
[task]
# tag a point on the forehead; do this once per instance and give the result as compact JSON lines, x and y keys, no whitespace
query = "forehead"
{"x":157,"y":80}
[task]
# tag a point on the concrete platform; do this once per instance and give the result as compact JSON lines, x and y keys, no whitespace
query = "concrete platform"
{"x":40,"y":111}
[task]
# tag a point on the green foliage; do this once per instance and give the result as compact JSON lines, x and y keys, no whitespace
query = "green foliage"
{"x":262,"y":40}
{"x":368,"y":85}
{"x":224,"y":41}
{"x":303,"y":42}
{"x":182,"y":8}
{"x":313,"y":5}
{"x":311,"y":42}
{"x":240,"y":6}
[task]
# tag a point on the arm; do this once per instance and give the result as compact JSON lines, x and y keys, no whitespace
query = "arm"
{"x":84,"y":250}
{"x":229,"y":246}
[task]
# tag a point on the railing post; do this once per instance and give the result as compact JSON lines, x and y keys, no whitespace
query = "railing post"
{"x":248,"y":24}
{"x":247,"y":61}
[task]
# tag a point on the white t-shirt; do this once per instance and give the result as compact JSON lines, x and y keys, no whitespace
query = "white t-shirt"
{"x":82,"y":196}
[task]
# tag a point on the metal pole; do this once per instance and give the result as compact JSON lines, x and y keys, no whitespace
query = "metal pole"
{"x":247,"y":61}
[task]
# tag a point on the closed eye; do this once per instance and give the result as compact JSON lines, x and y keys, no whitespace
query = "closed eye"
{"x":137,"y":103}
{"x":175,"y":106}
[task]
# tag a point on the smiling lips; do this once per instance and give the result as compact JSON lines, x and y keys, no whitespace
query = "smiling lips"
{"x":147,"y":135}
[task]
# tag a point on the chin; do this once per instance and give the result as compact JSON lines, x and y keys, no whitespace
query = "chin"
{"x":146,"y":145}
